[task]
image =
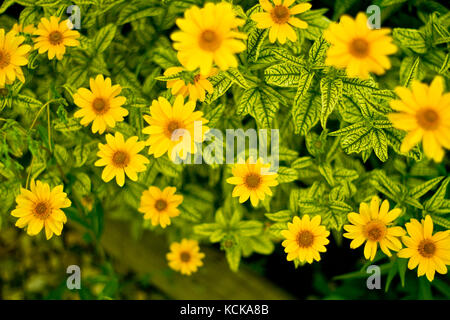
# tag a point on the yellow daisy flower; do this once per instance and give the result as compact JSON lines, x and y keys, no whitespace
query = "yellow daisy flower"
{"x":185,"y":256}
{"x":424,"y":112}
{"x":373,"y":226}
{"x":18,"y":28}
{"x":357,"y":48}
{"x":160,"y":206}
{"x":13,"y":55}
{"x":101,"y":105}
{"x":171,"y":128}
{"x":305,"y":239}
{"x":252,"y":180}
{"x":55,"y":36}
{"x":208,"y":35}
{"x":280,"y":19}
{"x":196,"y":90}
{"x":121,"y":157}
{"x":40,"y":207}
{"x":430,"y":252}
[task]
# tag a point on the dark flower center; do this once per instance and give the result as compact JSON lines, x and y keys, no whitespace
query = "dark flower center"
{"x":280,"y":14}
{"x":428,"y":119}
{"x":375,"y":231}
{"x":120,"y":159}
{"x":185,"y":256}
{"x":305,"y":239}
{"x":55,"y":38}
{"x":359,"y":48}
{"x":209,"y":40}
{"x":426,"y":248}
{"x":253,"y":180}
{"x":160,"y":204}
{"x":42,"y":210}
{"x":5,"y":59}
{"x":100,"y":106}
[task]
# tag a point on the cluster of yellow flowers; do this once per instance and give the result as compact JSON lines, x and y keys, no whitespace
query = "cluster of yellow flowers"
{"x":209,"y":40}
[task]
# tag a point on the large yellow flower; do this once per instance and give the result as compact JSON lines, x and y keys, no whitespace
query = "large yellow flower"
{"x":40,"y":207}
{"x":208,"y":35}
{"x":305,"y":239}
{"x":196,"y":90}
{"x":373,"y":226}
{"x":280,"y":19}
{"x":252,"y":180}
{"x":430,"y":252}
{"x":100,"y":105}
{"x":121,"y":157}
{"x":425,"y":113}
{"x":357,"y":48}
{"x":160,"y":206}
{"x":54,"y":37}
{"x":185,"y":256}
{"x":174,"y":129}
{"x":13,"y":55}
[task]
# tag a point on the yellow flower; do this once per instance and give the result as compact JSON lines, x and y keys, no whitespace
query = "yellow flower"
{"x":185,"y":256}
{"x":280,"y":19}
{"x":13,"y":55}
{"x":424,"y":112}
{"x":358,"y":48}
{"x":373,"y":226}
{"x":208,"y":35}
{"x":40,"y":207}
{"x":305,"y":239}
{"x":252,"y":180}
{"x":196,"y":90}
{"x":100,"y":105}
{"x":55,"y":36}
{"x":121,"y":157}
{"x":160,"y":206}
{"x":430,"y":252}
{"x":171,"y":129}
{"x":18,"y":28}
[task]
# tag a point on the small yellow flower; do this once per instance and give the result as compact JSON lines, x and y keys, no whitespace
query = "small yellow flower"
{"x":196,"y":90}
{"x":305,"y":239}
{"x":13,"y":55}
{"x":424,"y":112}
{"x":160,"y":206}
{"x":40,"y":207}
{"x":373,"y":225}
{"x":185,"y":256}
{"x":18,"y":28}
{"x":208,"y":35}
{"x":357,"y":48}
{"x":101,"y":105}
{"x":121,"y":157}
{"x":280,"y":19}
{"x":252,"y":180}
{"x":54,"y":37}
{"x":172,"y":128}
{"x":430,"y":252}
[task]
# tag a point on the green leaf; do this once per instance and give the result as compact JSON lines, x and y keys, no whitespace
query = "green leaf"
{"x":236,"y":77}
{"x":282,"y":75}
{"x":221,"y":84}
{"x":139,"y":9}
{"x":380,"y":144}
{"x":259,"y":105}
{"x":409,"y":70}
{"x":276,"y":228}
{"x":233,"y":255}
{"x":306,"y":113}
{"x":286,"y":174}
{"x":249,"y":228}
{"x":438,"y":198}
{"x":5,"y":5}
{"x":331,"y":93}
{"x":423,"y":188}
{"x":254,"y":42}
{"x":104,"y":37}
{"x":410,"y":38}
{"x":318,"y":51}
{"x":280,"y":216}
